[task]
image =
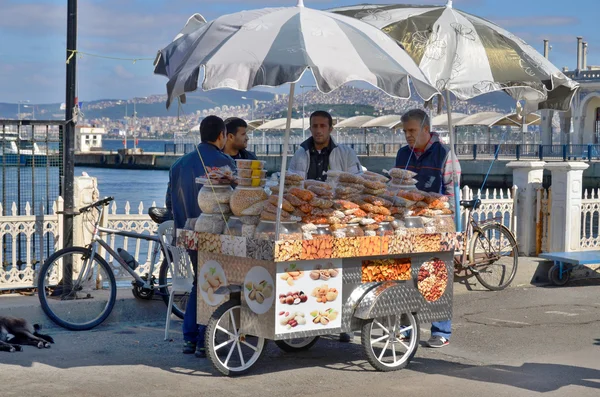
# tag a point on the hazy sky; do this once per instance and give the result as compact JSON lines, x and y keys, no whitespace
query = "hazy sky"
{"x":33,"y":38}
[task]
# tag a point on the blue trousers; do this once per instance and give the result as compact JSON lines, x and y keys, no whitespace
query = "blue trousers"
{"x":442,"y":328}
{"x":192,"y":331}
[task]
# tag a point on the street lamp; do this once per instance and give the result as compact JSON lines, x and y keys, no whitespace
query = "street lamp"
{"x":19,"y":107}
{"x":134,"y":132}
{"x":303,"y":129}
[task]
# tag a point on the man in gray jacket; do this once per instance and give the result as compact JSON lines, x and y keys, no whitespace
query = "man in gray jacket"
{"x":319,"y":153}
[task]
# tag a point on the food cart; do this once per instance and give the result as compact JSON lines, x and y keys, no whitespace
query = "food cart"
{"x":294,"y":291}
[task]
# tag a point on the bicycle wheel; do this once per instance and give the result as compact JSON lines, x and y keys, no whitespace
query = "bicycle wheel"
{"x":89,"y":299}
{"x":179,"y":300}
{"x":494,"y":255}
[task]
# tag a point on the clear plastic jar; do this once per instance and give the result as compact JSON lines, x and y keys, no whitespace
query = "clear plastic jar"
{"x":322,"y":232}
{"x":287,"y":231}
{"x":215,"y":199}
{"x":385,"y":229}
{"x":210,"y":223}
{"x":414,"y":225}
{"x":354,"y":230}
{"x":444,"y":224}
{"x":234,"y":226}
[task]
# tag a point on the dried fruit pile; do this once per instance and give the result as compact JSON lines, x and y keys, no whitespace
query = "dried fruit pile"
{"x":432,"y":279}
{"x":385,"y":270}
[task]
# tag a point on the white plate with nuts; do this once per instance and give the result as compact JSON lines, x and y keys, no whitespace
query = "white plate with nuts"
{"x":259,"y":290}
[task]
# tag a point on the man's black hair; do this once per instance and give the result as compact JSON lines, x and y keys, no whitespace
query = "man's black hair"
{"x":321,"y":113}
{"x":210,"y":128}
{"x":233,"y":123}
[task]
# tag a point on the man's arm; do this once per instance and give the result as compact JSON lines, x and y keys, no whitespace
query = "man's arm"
{"x":353,"y":165}
{"x":448,"y":171}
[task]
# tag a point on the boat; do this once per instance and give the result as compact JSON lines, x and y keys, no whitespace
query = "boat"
{"x":17,"y":151}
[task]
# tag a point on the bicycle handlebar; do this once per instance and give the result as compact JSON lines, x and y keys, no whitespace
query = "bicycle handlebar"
{"x":96,"y":204}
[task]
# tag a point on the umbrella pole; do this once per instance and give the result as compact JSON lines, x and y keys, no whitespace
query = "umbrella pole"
{"x":286,"y":141}
{"x":457,"y":214}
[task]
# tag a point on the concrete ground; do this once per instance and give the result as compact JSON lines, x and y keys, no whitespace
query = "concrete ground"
{"x":524,"y":341}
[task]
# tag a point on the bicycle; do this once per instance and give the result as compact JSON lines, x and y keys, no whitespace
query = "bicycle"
{"x":81,"y":274}
{"x":485,"y":255}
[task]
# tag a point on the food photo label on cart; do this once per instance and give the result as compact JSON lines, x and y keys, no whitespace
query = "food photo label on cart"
{"x":211,"y":276}
{"x":309,"y":295}
{"x":259,"y":290}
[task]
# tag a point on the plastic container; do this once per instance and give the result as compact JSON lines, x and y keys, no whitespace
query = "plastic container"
{"x":250,"y":173}
{"x":234,"y":226}
{"x":444,"y":224}
{"x":287,"y":231}
{"x":412,"y":222}
{"x":251,"y":182}
{"x":215,"y":199}
{"x":385,"y":229}
{"x":210,"y":223}
{"x":322,"y":232}
{"x":250,"y":164}
{"x":243,"y":198}
{"x":354,"y":230}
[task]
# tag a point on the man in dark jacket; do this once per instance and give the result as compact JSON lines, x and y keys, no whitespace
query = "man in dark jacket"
{"x":182,"y":201}
{"x":320,"y":153}
{"x":237,"y":139}
{"x":433,"y":163}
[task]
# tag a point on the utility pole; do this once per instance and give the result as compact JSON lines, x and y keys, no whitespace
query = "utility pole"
{"x":68,"y":141}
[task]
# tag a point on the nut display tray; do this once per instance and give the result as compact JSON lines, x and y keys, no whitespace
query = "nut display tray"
{"x":289,"y":250}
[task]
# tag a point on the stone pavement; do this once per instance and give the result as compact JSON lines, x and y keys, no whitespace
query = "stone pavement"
{"x":518,"y":342}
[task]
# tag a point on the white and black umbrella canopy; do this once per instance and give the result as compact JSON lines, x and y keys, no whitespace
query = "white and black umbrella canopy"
{"x":469,"y":55}
{"x":274,"y":46}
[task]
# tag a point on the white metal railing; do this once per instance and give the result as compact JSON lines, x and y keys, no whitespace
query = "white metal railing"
{"x":495,"y":203}
{"x":590,"y":220}
{"x":27,"y":240}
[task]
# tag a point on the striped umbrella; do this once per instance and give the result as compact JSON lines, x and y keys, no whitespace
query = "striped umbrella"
{"x":468,"y":55}
{"x":274,"y":46}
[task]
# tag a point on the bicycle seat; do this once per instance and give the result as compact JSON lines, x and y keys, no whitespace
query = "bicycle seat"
{"x":470,"y":204}
{"x":159,"y":215}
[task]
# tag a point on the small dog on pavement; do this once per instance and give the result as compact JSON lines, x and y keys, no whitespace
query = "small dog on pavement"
{"x":15,"y":332}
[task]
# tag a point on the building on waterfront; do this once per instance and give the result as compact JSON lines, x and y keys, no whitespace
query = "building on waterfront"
{"x":580,"y":125}
{"x":89,"y":138}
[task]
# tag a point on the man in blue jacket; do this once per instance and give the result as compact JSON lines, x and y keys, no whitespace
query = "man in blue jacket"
{"x":182,"y":201}
{"x":432,"y":161}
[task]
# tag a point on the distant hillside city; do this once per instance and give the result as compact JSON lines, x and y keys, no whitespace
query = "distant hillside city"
{"x":150,"y":118}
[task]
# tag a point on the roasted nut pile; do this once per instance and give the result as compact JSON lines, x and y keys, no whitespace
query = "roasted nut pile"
{"x":427,"y":243}
{"x":316,"y":249}
{"x":208,"y":242}
{"x":400,"y":244}
{"x":385,"y":270}
{"x":291,"y":319}
{"x":291,"y":274}
{"x":288,"y":250}
{"x":259,"y":292}
{"x":235,"y":246}
{"x":346,"y":248}
{"x":213,"y":200}
{"x":369,"y":246}
{"x":432,"y":280}
{"x":260,"y":249}
{"x":323,"y":274}
{"x":293,"y":298}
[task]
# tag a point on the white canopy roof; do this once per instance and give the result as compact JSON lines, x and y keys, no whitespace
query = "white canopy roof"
{"x":389,"y":121}
{"x":490,"y":119}
{"x":441,"y":120}
{"x":354,"y":122}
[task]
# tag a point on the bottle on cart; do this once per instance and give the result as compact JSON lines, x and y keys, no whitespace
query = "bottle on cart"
{"x":130,"y":260}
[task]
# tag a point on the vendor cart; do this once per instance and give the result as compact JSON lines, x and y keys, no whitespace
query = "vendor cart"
{"x":293,"y":291}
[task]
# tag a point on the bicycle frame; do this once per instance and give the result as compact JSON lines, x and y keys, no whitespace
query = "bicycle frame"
{"x":97,"y":239}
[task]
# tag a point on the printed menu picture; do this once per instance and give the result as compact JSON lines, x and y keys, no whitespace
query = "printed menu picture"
{"x":309,"y":295}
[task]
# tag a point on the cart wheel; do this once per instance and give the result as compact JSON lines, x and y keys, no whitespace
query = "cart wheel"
{"x":231,"y":352}
{"x":297,"y":344}
{"x":391,"y":342}
{"x":556,"y":279}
